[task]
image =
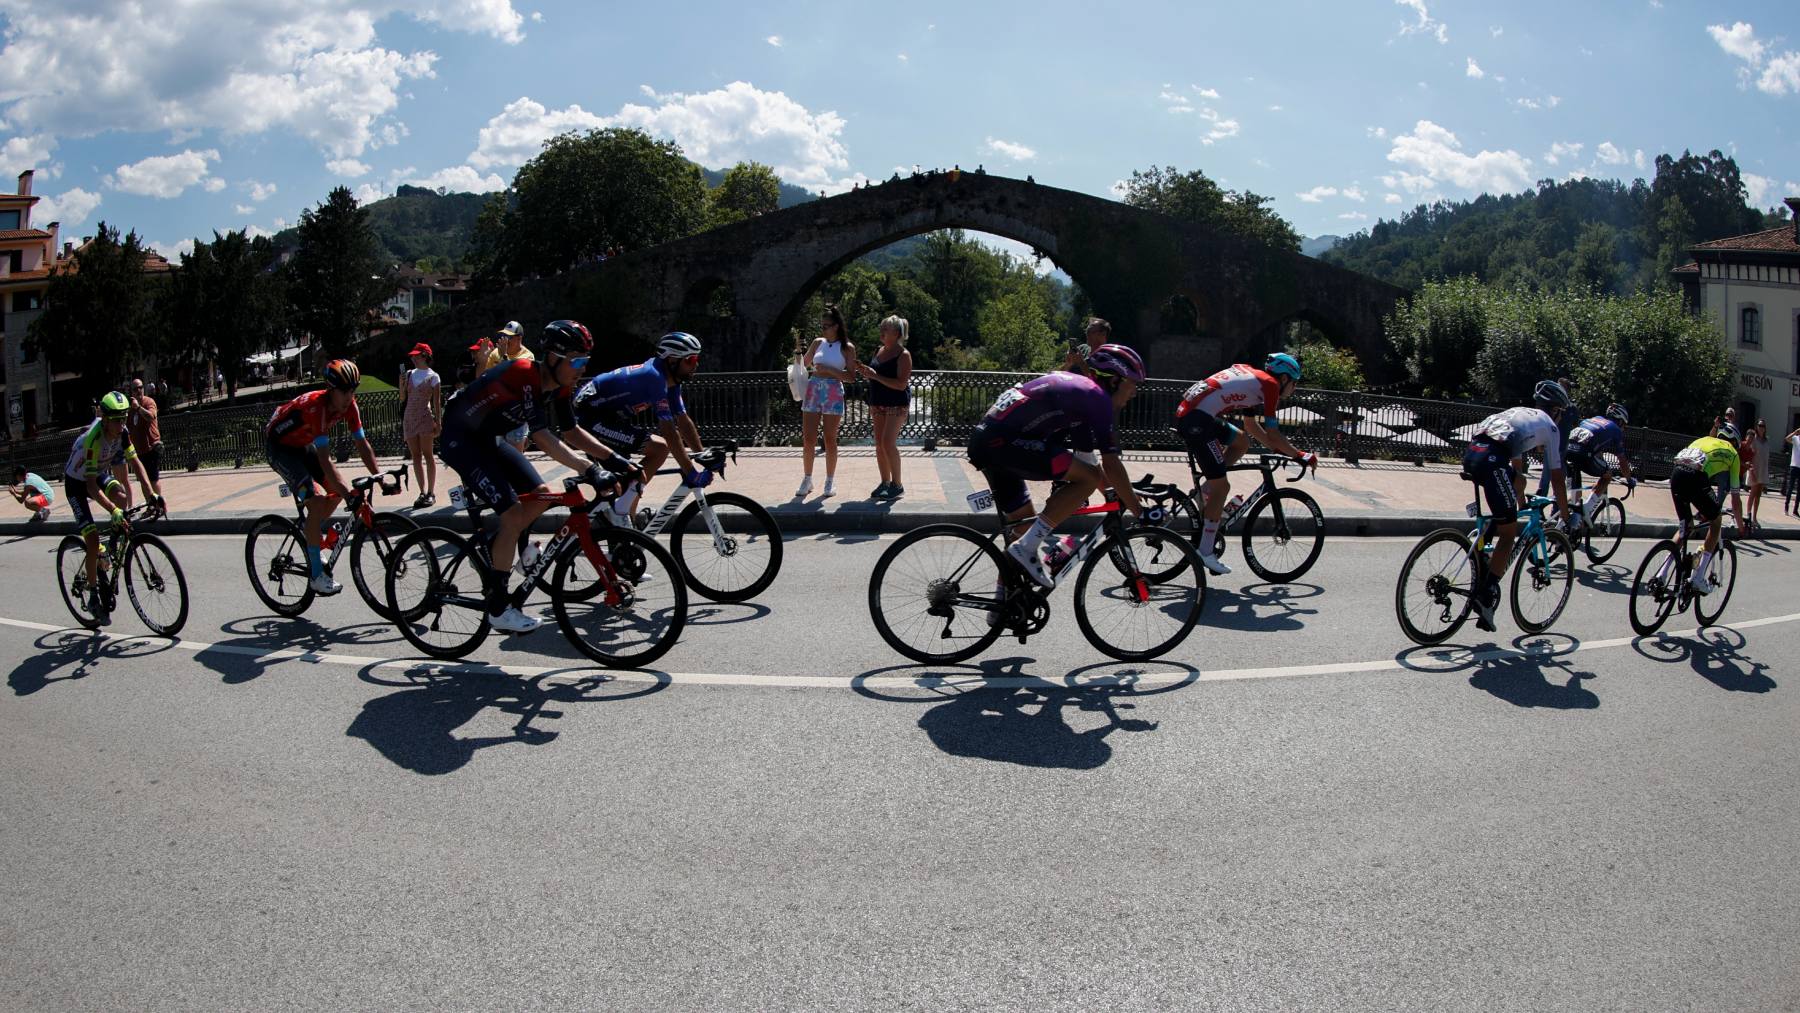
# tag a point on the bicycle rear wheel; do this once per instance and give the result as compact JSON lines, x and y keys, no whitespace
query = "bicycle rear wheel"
{"x":156,"y":585}
{"x":1436,"y":587}
{"x":437,"y":583}
{"x":742,"y":562}
{"x":275,"y":556}
{"x":1543,"y":575}
{"x":1605,"y":529}
{"x":71,"y":579}
{"x":1722,"y":576}
{"x":1127,"y":613}
{"x":1656,"y":588}
{"x":1184,"y":520}
{"x":933,"y":594}
{"x":617,"y":621}
{"x":369,"y":554}
{"x":1283,"y":535}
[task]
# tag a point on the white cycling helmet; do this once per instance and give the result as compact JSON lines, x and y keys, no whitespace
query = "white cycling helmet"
{"x":677,"y":345}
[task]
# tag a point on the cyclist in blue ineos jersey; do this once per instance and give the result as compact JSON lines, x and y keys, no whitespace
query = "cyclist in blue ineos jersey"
{"x":1495,"y":463}
{"x":1593,"y":445}
{"x":608,"y":405}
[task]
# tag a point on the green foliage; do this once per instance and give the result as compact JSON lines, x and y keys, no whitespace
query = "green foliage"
{"x":430,"y":310}
{"x":748,"y":189}
{"x":1016,"y":332}
{"x":1437,"y":333}
{"x":1327,"y":367}
{"x":337,"y":279}
{"x":1192,"y":197}
{"x":425,"y":228}
{"x":98,"y":319}
{"x":227,"y":302}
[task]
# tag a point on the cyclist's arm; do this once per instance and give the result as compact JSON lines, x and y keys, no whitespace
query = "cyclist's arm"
{"x":1120,"y":480}
{"x":548,"y":442}
{"x":690,"y":433}
{"x":1271,"y":437}
{"x":672,"y":435}
{"x":98,"y":486}
{"x":1559,"y":485}
{"x":583,"y":441}
{"x":334,"y":482}
{"x":367,"y":450}
{"x":143,"y":477}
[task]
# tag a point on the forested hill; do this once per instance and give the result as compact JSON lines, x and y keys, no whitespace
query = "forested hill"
{"x":790,"y":194}
{"x":1613,"y":236}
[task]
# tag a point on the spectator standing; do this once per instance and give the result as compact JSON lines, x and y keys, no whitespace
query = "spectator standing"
{"x":31,"y":490}
{"x":421,"y":420}
{"x":146,"y":433}
{"x":1076,"y":359}
{"x":889,"y":376}
{"x":832,"y":362}
{"x":1755,"y":455}
{"x":510,"y":346}
{"x":1790,"y":495}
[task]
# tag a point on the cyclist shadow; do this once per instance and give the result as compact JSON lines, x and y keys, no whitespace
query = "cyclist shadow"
{"x":1520,"y":675}
{"x":1715,"y":654}
{"x":1607,"y":577}
{"x":719,"y":613}
{"x":415,"y":728}
{"x":77,"y":652}
{"x":249,"y":654}
{"x":1755,"y":548}
{"x":1243,"y":609}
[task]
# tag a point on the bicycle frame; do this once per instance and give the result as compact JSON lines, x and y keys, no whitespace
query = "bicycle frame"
{"x":1267,"y":464}
{"x":712,"y":459}
{"x":1529,"y":538}
{"x":359,"y":511}
{"x":1018,"y":583}
{"x":580,"y":527}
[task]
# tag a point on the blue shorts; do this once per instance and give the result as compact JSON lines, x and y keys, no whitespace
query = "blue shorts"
{"x":1581,"y":461}
{"x":496,"y":473}
{"x":1008,"y":462}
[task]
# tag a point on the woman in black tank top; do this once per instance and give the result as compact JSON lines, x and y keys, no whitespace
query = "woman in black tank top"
{"x":889,"y":376}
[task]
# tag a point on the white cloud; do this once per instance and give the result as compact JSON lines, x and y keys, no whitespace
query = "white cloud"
{"x":1608,"y":154}
{"x":368,"y":193}
{"x":1118,"y":189}
{"x":1221,"y":128}
{"x":1560,"y":150}
{"x":1739,"y":40}
{"x":21,"y":153}
{"x":1175,"y":101}
{"x":349,"y":168}
{"x":1637,"y":158}
{"x":70,"y":208}
{"x":1548,"y":102}
{"x":1410,"y":182}
{"x":173,"y":252}
{"x":1781,"y":76}
{"x":254,"y":231}
{"x":902,"y":57}
{"x":260,"y":192}
{"x":213,"y":185}
{"x":1209,"y":93}
{"x":243,"y":209}
{"x":1390,"y":198}
{"x":1274,"y":109}
{"x":1353,"y":216}
{"x":164,"y":176}
{"x":1495,"y":31}
{"x":774,"y":40}
{"x":1317,"y":194}
{"x":1436,"y":155}
{"x":1474,"y":70}
{"x":1426,"y":24}
{"x":516,"y":134}
{"x":1379,"y":133}
{"x":1354,"y":193}
{"x":537,"y":17}
{"x":1010,"y":149}
{"x":281,"y":223}
{"x":1780,"y":73}
{"x":460,"y":179}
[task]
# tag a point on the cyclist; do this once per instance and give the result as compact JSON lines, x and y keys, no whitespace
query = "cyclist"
{"x":1495,"y":462}
{"x":516,"y":392}
{"x":1704,"y":472}
{"x":1592,"y":445}
{"x":1038,"y":430}
{"x":88,"y":475}
{"x":298,"y":440}
{"x":607,"y":407}
{"x":1246,"y":392}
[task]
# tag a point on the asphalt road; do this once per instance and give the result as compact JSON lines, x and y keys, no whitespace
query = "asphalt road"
{"x":789,"y":820}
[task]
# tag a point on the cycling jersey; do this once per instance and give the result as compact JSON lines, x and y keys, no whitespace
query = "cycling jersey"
{"x":1598,"y":435}
{"x":95,"y":452}
{"x":1713,"y":458}
{"x":1517,"y":431}
{"x":1236,"y":390}
{"x":629,"y":390}
{"x":307,"y":421}
{"x":500,"y":400}
{"x":1062,"y":408}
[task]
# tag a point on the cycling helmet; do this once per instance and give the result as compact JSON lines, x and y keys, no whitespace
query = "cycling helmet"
{"x":1283,"y":364}
{"x":342,"y":374}
{"x":1728,"y":432}
{"x":1117,"y":360}
{"x":1618,"y":414}
{"x":1550,"y":394}
{"x":677,"y":345}
{"x":566,"y":337}
{"x":114,"y":405}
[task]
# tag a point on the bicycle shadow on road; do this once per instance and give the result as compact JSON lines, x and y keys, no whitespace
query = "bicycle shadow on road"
{"x":1610,"y":578}
{"x":1756,"y":548}
{"x":702,"y":612}
{"x":80,"y":653}
{"x":251,"y":652}
{"x":1715,"y":654}
{"x":1520,"y":675}
{"x":415,"y":729}
{"x":1244,"y":608}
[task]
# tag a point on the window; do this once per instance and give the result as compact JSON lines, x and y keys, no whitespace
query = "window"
{"x":27,"y":352}
{"x":23,"y":301}
{"x":9,"y":219}
{"x":1749,"y":326}
{"x":15,"y":260}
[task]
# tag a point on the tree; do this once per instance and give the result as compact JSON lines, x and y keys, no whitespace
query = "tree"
{"x":1437,"y":334}
{"x":487,"y":246}
{"x":230,"y":302}
{"x":337,"y":279}
{"x":1327,"y":367}
{"x":97,"y":317}
{"x":748,"y":189}
{"x":1016,"y":333}
{"x":1192,"y":197}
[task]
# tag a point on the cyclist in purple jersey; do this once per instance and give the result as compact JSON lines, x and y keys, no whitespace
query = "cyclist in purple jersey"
{"x":1040,"y":431}
{"x":608,"y":406}
{"x":1594,"y":445}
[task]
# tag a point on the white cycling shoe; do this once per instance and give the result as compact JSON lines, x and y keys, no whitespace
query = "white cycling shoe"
{"x":1700,"y":585}
{"x":1033,"y":564}
{"x":514,"y":621}
{"x":1217,"y":567}
{"x":324,"y":586}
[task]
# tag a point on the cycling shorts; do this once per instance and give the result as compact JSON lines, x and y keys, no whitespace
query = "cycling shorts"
{"x":618,"y":430}
{"x":1694,"y":493}
{"x":1488,"y":465}
{"x":1008,"y":462}
{"x":496,"y":473}
{"x":1581,"y":461}
{"x":299,"y":467}
{"x":75,"y":491}
{"x":1208,"y":440}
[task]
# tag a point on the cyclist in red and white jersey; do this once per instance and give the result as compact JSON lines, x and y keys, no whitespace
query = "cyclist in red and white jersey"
{"x":299,"y":450}
{"x":1253,"y":395}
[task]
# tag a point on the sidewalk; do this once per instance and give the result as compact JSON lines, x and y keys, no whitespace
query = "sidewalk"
{"x":1376,"y":498}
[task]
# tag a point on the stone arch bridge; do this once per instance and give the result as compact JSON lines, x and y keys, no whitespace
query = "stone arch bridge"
{"x":1190,"y":299}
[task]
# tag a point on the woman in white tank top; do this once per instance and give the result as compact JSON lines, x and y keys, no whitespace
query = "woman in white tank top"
{"x":831,"y":361}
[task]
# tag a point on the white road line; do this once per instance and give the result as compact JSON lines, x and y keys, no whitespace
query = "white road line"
{"x":1172,"y":674}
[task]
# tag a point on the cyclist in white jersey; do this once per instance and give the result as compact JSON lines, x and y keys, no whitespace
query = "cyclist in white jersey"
{"x":1495,"y":462}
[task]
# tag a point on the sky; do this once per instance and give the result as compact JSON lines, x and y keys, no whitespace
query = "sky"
{"x":179,"y":117}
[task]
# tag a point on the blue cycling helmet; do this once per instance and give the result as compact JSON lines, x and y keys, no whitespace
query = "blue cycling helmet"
{"x":1283,"y":364}
{"x":1728,"y":433}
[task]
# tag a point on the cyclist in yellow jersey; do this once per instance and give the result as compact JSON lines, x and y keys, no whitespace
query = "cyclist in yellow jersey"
{"x":88,"y":476}
{"x":1704,"y":472}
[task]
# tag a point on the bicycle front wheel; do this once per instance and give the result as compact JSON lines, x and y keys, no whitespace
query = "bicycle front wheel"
{"x":738,"y":563}
{"x":275,"y":556}
{"x":1655,"y":589}
{"x":156,"y":585}
{"x":71,"y":579}
{"x":437,"y":584}
{"x":936,"y":594}
{"x":1722,"y":576}
{"x":1283,"y":536}
{"x":370,"y":551}
{"x":1543,"y":575}
{"x":1128,"y":614}
{"x":1605,"y":529}
{"x":619,"y":622}
{"x":1436,"y":587}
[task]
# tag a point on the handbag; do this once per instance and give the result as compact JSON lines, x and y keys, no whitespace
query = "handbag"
{"x":796,"y":379}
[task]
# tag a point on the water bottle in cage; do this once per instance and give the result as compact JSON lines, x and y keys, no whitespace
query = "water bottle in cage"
{"x":527,"y":556}
{"x":332,"y":534}
{"x":1058,"y":551}
{"x":1232,"y":506}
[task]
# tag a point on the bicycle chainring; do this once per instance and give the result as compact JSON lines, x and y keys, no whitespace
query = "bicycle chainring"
{"x":628,"y":562}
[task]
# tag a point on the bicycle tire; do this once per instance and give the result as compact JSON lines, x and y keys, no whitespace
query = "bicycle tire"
{"x":1556,"y":569}
{"x":1652,"y":601}
{"x":71,"y":580}
{"x":1138,"y":591}
{"x":275,"y":551}
{"x":378,"y":541}
{"x":1183,"y":519}
{"x":954,"y":540}
{"x":661,"y":576}
{"x":1604,"y":531}
{"x":143,"y":570}
{"x":434,"y":572}
{"x":1438,"y":594}
{"x":1704,"y":605}
{"x":1284,"y":523}
{"x":701,"y":549}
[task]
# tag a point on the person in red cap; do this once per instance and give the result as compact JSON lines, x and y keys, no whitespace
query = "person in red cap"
{"x":421,"y":420}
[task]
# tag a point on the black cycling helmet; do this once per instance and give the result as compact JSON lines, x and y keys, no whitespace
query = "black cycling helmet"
{"x":1550,"y":394}
{"x":566,"y":337}
{"x":1728,"y":433}
{"x":1618,"y":414}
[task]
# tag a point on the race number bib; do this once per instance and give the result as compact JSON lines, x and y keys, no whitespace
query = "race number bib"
{"x":981,"y":502}
{"x":1581,"y":436}
{"x":1692,"y":457}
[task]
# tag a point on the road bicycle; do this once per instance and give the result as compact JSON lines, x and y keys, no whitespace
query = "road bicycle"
{"x":616,"y":593}
{"x":945,"y":592}
{"x":728,"y":545}
{"x":1283,"y":529}
{"x":1661,"y":587}
{"x":153,"y":578}
{"x":275,"y":549}
{"x":1603,"y":529}
{"x":1438,"y":582}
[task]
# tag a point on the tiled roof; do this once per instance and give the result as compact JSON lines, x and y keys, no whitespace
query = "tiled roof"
{"x":1691,"y":267}
{"x":6,"y":234}
{"x":23,"y":276}
{"x":1779,"y":240}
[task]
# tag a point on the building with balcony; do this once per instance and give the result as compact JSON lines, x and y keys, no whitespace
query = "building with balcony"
{"x":27,"y":256}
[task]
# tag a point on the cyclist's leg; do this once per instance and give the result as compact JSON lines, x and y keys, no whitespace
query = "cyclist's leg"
{"x":621,"y":434}
{"x":501,"y":476}
{"x":75,"y":492}
{"x":1212,"y":444}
